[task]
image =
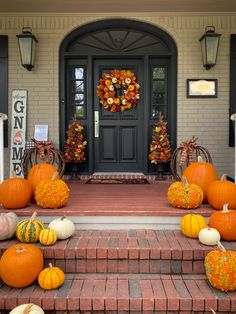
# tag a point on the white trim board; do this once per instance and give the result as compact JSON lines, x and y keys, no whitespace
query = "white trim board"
{"x":120,"y":222}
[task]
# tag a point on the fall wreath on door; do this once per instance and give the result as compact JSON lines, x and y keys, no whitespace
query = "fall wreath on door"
{"x":118,"y":90}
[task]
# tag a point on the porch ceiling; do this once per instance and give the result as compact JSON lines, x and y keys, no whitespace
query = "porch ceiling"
{"x":93,"y":6}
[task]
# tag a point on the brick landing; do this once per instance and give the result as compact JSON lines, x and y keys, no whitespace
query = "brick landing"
{"x":124,"y":293}
{"x":115,"y":200}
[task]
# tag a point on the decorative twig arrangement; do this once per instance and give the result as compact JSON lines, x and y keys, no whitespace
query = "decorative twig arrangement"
{"x":186,"y":154}
{"x":43,"y":151}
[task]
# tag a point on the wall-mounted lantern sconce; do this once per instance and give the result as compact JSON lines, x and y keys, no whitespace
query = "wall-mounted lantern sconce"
{"x":27,"y":45}
{"x":209,"y":45}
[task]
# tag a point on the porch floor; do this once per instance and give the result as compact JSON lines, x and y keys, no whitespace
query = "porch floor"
{"x":115,"y":200}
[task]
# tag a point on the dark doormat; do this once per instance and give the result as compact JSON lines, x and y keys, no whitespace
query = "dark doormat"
{"x":117,"y":181}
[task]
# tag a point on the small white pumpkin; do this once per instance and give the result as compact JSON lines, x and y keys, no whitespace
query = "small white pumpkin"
{"x":8,"y":224}
{"x":63,"y":226}
{"x":209,"y":236}
{"x":27,"y":309}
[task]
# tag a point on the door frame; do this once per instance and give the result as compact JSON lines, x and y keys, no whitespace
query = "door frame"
{"x":66,"y":54}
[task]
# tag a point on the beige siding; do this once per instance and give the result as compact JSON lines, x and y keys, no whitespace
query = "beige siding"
{"x":205,"y":118}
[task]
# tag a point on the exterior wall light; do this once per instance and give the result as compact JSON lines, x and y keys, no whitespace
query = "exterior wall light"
{"x":209,"y":45}
{"x":27,"y":45}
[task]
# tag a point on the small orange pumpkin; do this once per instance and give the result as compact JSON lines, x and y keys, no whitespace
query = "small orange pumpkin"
{"x":201,"y":173}
{"x":40,"y":172}
{"x":15,"y":192}
{"x":220,"y":269}
{"x":220,"y":192}
{"x":20,"y":265}
{"x":225,"y":222}
{"x":51,"y":277}
{"x":184,"y":195}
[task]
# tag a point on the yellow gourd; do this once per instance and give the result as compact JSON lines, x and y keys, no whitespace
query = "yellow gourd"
{"x":47,"y":236}
{"x":192,"y":224}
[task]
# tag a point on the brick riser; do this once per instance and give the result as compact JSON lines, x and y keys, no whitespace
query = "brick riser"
{"x":135,"y":293}
{"x":141,"y":251}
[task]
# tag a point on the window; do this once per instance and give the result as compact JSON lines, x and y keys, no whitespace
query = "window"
{"x":158,"y":91}
{"x":78,"y":91}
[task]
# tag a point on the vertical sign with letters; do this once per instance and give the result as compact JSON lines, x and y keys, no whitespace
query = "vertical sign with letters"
{"x":18,"y":130}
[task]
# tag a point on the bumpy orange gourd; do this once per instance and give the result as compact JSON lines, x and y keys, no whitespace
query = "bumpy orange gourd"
{"x":220,"y":269}
{"x":47,"y":236}
{"x":51,"y":278}
{"x":184,"y":195}
{"x":192,"y":224}
{"x":220,"y":192}
{"x":52,"y":193}
{"x":15,"y":192}
{"x":202,"y":174}
{"x":225,"y":222}
{"x":40,"y":172}
{"x":20,"y":265}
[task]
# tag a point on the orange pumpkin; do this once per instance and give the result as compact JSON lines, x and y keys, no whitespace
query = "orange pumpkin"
{"x":220,"y":192}
{"x":15,"y":192}
{"x":220,"y":269}
{"x":40,"y":172}
{"x":52,"y":193}
{"x":51,"y":277}
{"x":20,"y":265}
{"x":201,"y":173}
{"x":184,"y":195}
{"x":225,"y":222}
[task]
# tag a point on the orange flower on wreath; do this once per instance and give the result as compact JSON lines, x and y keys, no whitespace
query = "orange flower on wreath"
{"x":109,"y":85}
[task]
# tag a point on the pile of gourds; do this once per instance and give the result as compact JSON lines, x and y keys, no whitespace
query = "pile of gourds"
{"x":199,"y":185}
{"x":42,"y":186}
{"x":23,"y":263}
{"x":201,"y":178}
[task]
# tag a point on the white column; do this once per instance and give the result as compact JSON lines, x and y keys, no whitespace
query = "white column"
{"x":233,"y":118}
{"x":3,"y":117}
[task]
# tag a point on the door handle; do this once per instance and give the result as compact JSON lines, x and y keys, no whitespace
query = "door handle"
{"x":96,"y":123}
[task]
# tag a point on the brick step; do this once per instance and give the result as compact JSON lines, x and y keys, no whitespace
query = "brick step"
{"x":133,"y":251}
{"x":122,"y":293}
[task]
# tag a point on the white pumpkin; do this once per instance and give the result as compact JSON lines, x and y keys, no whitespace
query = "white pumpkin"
{"x":8,"y":224}
{"x":209,"y":236}
{"x":27,"y":309}
{"x":63,"y":226}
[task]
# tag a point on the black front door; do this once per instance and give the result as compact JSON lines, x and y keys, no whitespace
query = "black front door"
{"x":118,"y":142}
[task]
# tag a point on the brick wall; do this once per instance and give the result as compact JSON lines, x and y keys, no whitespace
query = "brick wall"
{"x":204,"y":118}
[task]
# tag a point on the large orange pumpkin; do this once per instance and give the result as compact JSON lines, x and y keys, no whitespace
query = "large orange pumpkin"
{"x":15,"y":192}
{"x":225,"y":222}
{"x":20,"y":265}
{"x":201,"y":173}
{"x":220,"y":269}
{"x":220,"y":192}
{"x":40,"y":172}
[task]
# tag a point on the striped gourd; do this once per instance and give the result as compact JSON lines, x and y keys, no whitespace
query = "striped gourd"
{"x":47,"y":236}
{"x":28,"y":230}
{"x":51,"y":278}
